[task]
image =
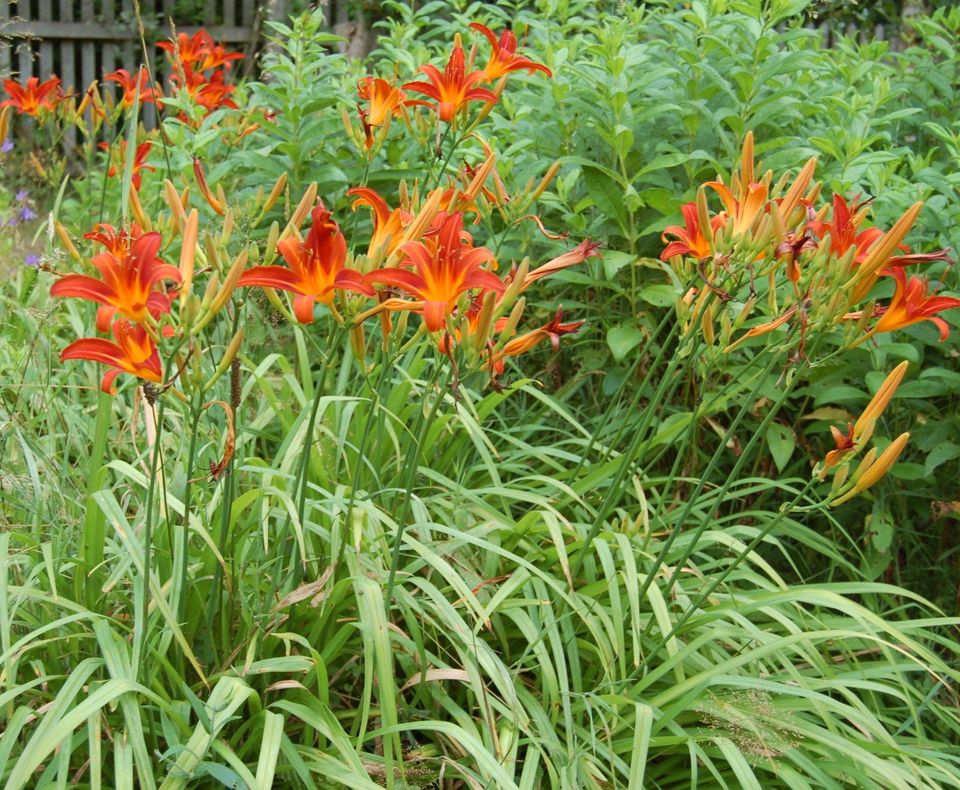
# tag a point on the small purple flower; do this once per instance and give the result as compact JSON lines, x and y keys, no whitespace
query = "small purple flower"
{"x":27,"y":213}
{"x":21,"y":196}
{"x":6,"y":147}
{"x":32,"y":260}
{"x":13,"y":222}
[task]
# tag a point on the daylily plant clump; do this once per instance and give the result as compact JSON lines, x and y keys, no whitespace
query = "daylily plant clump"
{"x":422,"y":257}
{"x":775,"y":245}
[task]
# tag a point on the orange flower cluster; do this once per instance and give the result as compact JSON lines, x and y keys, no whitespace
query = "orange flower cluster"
{"x":130,"y":295}
{"x":451,"y":91}
{"x":201,"y":67}
{"x":828,"y":259}
{"x":420,"y":259}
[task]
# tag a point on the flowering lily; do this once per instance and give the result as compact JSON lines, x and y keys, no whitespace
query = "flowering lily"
{"x":744,"y":209}
{"x":910,"y":305}
{"x":454,"y":88}
{"x":129,"y":83}
{"x":504,"y":59}
{"x":388,"y":225}
{"x":218,"y":55}
{"x":316,"y":268}
{"x":188,"y":49}
{"x":446,"y":266}
{"x":116,"y":241}
{"x":585,"y":249}
{"x":139,"y":160}
{"x":30,"y":98}
{"x":133,"y":353}
{"x":690,"y":239}
{"x":128,"y":285}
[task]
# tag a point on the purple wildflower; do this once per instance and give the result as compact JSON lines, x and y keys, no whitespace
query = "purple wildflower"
{"x":21,"y":196}
{"x":27,"y":213}
{"x":32,"y":260}
{"x":6,"y":147}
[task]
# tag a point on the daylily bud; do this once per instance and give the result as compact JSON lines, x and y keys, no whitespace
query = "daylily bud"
{"x":358,"y":345}
{"x":792,"y":198}
{"x":273,"y":236}
{"x":188,"y":253}
{"x":210,"y":249}
{"x":513,"y":319}
{"x":484,"y":321}
{"x":5,"y":122}
{"x":213,"y":285}
{"x":274,"y":195}
{"x":706,"y":324}
{"x":863,"y":428}
{"x":228,"y":357}
{"x":176,"y":206}
{"x":227,"y":227}
{"x":189,"y":310}
{"x":545,"y":181}
{"x":198,"y":173}
{"x":136,"y":208}
{"x":65,"y":239}
{"x":703,"y":217}
{"x":876,"y":470}
{"x":303,"y":208}
{"x":745,"y":311}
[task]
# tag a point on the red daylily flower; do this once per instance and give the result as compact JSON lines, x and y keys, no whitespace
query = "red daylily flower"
{"x":445,"y":266}
{"x":129,"y":283}
{"x":845,"y":444}
{"x":690,"y":239}
{"x":844,"y":234}
{"x":911,"y":304}
{"x":215,"y":94}
{"x":133,"y":353}
{"x":316,"y":268}
{"x":504,"y":59}
{"x":453,"y":88}
{"x":116,"y":241}
{"x":129,"y":84}
{"x":29,"y":99}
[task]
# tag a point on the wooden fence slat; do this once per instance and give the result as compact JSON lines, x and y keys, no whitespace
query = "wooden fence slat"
{"x":229,"y":13}
{"x":109,"y":50}
{"x":45,"y":10}
{"x":6,"y":56}
{"x":67,"y":68}
{"x":25,"y":59}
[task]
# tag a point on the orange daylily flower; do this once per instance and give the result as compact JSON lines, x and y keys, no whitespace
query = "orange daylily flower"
{"x":139,"y":160}
{"x":388,"y":225}
{"x":845,"y":445}
{"x":504,"y":59}
{"x":116,"y":241}
{"x":316,"y":268}
{"x":128,"y":286}
{"x":386,"y":102}
{"x":689,"y":238}
{"x":133,"y":353}
{"x":188,"y":49}
{"x":743,"y":210}
{"x":386,"y":99}
{"x":214,"y":94}
{"x":453,"y":89}
{"x":446,"y":266}
{"x":218,"y":55}
{"x":910,"y":305}
{"x":129,"y":83}
{"x":29,"y":99}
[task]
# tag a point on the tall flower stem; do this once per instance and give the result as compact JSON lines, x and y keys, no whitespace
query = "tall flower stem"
{"x":181,"y":558}
{"x":93,"y":536}
{"x":422,"y":427}
{"x":140,"y":621}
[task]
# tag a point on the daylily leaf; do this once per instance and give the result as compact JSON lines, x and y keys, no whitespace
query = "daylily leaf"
{"x":622,"y":339}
